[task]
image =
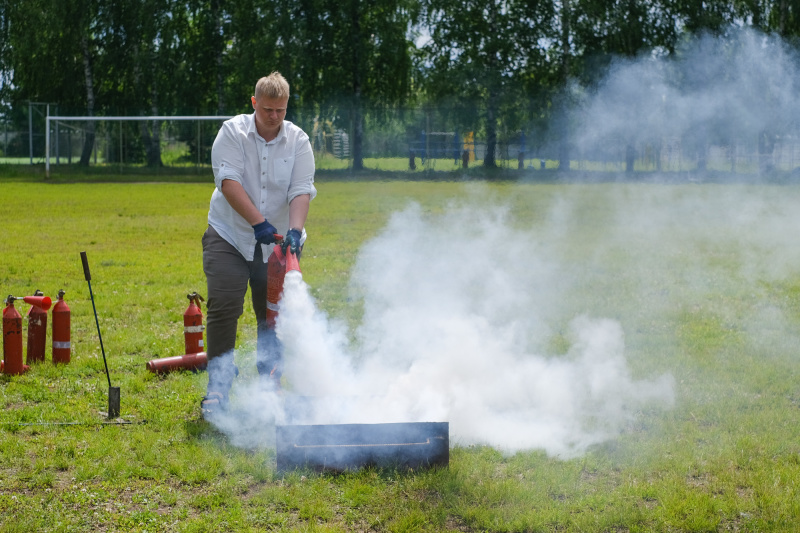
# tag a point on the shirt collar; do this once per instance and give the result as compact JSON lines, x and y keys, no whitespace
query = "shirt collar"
{"x":251,"y":128}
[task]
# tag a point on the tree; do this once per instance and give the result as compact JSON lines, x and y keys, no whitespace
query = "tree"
{"x":344,"y":56}
{"x":84,"y":20}
{"x":121,"y":54}
{"x":362,"y":58}
{"x":603,"y":32}
{"x":247,"y":50}
{"x":483,"y":53}
{"x":700,"y":16}
{"x":45,"y":68}
{"x":5,"y":51}
{"x":565,"y":18}
{"x":139,"y":56}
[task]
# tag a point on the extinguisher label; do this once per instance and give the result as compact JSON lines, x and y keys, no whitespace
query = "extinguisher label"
{"x":200,"y":343}
{"x":61,"y":344}
{"x":193,"y":329}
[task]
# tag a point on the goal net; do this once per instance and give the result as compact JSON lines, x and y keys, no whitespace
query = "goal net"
{"x":124,"y":141}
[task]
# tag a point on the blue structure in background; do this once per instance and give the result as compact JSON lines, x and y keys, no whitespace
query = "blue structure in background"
{"x":429,"y":145}
{"x":435,"y":146}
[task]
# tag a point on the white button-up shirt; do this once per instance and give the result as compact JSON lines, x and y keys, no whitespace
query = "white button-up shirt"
{"x":272,"y":173}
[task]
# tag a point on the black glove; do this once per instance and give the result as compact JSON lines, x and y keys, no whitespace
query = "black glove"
{"x":292,"y":242}
{"x":264,"y":233}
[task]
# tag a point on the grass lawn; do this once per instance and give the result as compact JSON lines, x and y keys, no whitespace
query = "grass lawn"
{"x":703,"y":281}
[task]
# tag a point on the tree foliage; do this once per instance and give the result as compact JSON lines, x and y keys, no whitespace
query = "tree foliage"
{"x":484,"y":54}
{"x":500,"y":66}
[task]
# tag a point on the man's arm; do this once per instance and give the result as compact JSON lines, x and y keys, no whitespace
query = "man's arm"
{"x":298,"y":211}
{"x":240,"y":202}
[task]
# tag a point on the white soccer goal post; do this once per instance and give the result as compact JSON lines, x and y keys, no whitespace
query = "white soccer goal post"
{"x":57,"y":119}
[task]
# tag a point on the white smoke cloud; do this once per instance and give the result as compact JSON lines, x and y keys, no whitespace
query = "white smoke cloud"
{"x":450,"y":321}
{"x":718,"y":90}
{"x":452,"y":331}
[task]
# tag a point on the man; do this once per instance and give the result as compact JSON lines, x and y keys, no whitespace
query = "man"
{"x":264,"y":176}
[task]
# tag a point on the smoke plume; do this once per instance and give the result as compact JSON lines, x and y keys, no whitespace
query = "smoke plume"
{"x":463,"y":309}
{"x":450,"y":333}
{"x":737,"y":93}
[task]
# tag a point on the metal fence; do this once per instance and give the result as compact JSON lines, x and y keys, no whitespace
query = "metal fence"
{"x":393,"y":140}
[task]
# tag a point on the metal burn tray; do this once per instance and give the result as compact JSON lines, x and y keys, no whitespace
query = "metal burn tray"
{"x":342,"y":447}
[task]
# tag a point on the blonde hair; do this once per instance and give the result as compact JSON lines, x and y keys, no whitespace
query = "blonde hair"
{"x":272,"y":86}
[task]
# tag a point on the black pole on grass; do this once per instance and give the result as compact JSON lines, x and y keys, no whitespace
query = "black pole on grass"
{"x":113,"y":392}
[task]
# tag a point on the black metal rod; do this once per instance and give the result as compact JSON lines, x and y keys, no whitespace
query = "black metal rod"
{"x":88,"y":277}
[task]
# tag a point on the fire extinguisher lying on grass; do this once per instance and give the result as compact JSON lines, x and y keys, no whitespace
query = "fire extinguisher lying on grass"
{"x":195,"y":358}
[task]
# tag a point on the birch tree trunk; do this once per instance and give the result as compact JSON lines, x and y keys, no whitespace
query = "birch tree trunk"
{"x":88,"y":142}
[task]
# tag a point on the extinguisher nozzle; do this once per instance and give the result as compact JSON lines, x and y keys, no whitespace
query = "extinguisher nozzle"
{"x":39,"y":301}
{"x":292,"y":264}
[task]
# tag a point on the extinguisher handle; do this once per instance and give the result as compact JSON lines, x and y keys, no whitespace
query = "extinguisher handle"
{"x":85,"y":262}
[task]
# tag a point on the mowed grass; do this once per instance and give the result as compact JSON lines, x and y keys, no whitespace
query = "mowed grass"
{"x":704,"y":280}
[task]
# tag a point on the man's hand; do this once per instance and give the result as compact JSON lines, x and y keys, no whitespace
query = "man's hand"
{"x":292,"y":242}
{"x":264,"y":232}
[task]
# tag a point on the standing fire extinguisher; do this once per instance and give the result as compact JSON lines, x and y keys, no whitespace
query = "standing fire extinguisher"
{"x":195,"y":358}
{"x":12,"y":332}
{"x":61,"y":330}
{"x":37,"y":332}
{"x":12,"y":339}
{"x":193,"y":324}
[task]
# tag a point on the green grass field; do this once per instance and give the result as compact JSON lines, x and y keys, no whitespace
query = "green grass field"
{"x":704,"y":281}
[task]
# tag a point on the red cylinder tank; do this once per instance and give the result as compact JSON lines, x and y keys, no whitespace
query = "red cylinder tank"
{"x":276,"y":271}
{"x":278,"y":264}
{"x":62,"y":347}
{"x":193,"y":325}
{"x":12,"y":339}
{"x":190,"y":361}
{"x":37,"y":331}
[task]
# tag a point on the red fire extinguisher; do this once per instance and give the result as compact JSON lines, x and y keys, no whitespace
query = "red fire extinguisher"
{"x":276,"y":270}
{"x":278,"y":264}
{"x":12,"y":333}
{"x":195,"y":358}
{"x":37,"y":332}
{"x":61,"y":330}
{"x":12,"y":338}
{"x":193,"y":324}
{"x":190,"y":361}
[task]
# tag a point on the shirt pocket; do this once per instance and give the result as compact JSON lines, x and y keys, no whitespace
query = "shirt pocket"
{"x":283,"y":170}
